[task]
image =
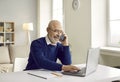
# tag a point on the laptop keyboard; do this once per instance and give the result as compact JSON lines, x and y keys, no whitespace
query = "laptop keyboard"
{"x":80,"y":72}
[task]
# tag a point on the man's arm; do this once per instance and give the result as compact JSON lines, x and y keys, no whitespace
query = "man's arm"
{"x":64,"y":51}
{"x":65,"y":55}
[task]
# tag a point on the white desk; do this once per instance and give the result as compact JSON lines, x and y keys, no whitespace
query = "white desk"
{"x":103,"y":74}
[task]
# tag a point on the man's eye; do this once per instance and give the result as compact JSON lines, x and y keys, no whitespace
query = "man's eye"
{"x":55,"y":30}
{"x":58,"y":31}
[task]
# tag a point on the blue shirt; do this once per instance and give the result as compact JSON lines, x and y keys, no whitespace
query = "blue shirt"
{"x":43,"y":56}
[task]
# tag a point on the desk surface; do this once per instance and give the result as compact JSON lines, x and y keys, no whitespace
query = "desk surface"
{"x":103,"y":74}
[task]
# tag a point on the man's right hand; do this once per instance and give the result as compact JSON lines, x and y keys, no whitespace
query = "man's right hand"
{"x":70,"y":68}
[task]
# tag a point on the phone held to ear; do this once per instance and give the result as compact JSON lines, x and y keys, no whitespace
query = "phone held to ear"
{"x":62,"y":37}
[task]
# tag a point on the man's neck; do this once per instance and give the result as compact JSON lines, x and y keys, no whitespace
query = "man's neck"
{"x":49,"y":41}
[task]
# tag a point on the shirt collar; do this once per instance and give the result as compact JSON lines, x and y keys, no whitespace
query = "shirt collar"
{"x":48,"y":41}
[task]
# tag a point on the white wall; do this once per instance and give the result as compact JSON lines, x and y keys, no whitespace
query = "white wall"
{"x":19,"y":12}
{"x":78,"y":28}
{"x":85,"y":27}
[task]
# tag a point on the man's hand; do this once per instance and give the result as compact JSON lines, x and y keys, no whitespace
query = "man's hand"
{"x":70,"y":68}
{"x":65,"y":41}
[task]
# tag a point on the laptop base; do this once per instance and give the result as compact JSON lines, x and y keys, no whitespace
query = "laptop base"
{"x":80,"y":73}
{"x":74,"y":74}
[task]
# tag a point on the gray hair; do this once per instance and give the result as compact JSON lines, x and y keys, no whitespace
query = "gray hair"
{"x":54,"y":23}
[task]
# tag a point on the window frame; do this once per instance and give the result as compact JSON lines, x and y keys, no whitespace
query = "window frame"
{"x":108,"y":27}
{"x":62,"y":22}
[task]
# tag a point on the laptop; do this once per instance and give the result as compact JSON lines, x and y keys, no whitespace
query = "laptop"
{"x":90,"y":66}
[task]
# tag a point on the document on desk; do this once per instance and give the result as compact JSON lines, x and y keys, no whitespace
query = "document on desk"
{"x":44,"y":74}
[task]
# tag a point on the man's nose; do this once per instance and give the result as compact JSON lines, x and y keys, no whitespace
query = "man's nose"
{"x":59,"y":32}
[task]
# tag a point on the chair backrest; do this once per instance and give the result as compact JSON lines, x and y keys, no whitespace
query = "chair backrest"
{"x":20,"y":64}
{"x":4,"y":55}
{"x":18,"y":51}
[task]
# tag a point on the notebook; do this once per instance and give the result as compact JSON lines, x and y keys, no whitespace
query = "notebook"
{"x":90,"y":66}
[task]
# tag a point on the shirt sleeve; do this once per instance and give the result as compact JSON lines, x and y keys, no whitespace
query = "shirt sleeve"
{"x":65,"y":55}
{"x":40,"y":60}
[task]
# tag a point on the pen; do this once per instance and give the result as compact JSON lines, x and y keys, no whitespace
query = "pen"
{"x":56,"y":74}
{"x":37,"y":76}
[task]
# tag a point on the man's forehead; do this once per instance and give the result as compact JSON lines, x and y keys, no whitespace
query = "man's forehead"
{"x":56,"y":26}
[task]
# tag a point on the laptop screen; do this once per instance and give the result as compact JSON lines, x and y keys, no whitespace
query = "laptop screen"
{"x":92,"y":60}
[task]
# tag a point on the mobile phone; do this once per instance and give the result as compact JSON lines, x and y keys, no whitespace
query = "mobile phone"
{"x":62,"y":37}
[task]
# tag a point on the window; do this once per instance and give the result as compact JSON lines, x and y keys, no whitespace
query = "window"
{"x":114,"y":23}
{"x":57,"y":13}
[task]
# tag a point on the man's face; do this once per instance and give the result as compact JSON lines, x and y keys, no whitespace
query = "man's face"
{"x":54,"y":33}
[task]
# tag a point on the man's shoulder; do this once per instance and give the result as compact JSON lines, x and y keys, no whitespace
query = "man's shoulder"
{"x":39,"y":40}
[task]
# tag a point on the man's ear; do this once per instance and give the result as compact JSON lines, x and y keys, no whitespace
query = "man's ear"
{"x":47,"y":29}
